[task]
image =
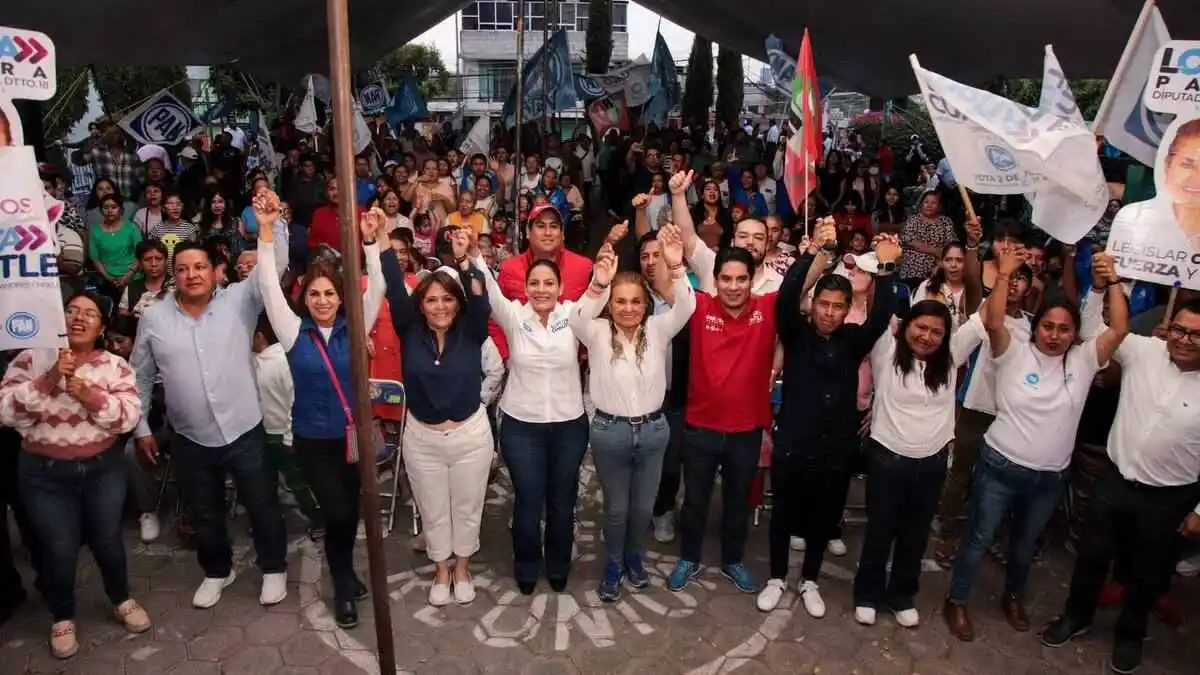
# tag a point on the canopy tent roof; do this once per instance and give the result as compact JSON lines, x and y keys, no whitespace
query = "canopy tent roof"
{"x":860,"y":44}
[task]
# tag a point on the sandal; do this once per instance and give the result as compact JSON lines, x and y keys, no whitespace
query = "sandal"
{"x":132,"y":616}
{"x":63,"y":644}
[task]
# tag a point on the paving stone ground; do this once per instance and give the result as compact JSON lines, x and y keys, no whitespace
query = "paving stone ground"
{"x":710,"y":629}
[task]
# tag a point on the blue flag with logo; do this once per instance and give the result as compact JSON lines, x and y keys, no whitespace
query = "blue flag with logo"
{"x":407,"y":105}
{"x":664,"y":85}
{"x":161,"y":120}
{"x":556,"y":92}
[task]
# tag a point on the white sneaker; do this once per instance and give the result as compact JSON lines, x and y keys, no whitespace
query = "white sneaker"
{"x":1189,"y":567}
{"x":836,"y":547}
{"x":865,"y":615}
{"x":148,"y":523}
{"x":664,"y":528}
{"x":464,"y":592}
{"x":769,"y":597}
{"x":274,"y":589}
{"x":439,"y":595}
{"x":907,"y":618}
{"x":798,"y":544}
{"x":209,"y":593}
{"x":813,"y":603}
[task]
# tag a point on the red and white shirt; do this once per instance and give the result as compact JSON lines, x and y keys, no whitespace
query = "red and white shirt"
{"x":729,"y":383}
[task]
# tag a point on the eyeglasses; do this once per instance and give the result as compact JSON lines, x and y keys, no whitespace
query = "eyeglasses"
{"x":87,"y":314}
{"x":1177,"y":332}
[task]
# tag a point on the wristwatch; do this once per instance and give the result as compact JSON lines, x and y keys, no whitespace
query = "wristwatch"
{"x":887,"y":267}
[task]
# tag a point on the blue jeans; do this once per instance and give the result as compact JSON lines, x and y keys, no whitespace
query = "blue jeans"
{"x":735,"y":455}
{"x":543,"y":461}
{"x":71,"y":502}
{"x":201,"y":473}
{"x":998,"y":486}
{"x":629,"y":462}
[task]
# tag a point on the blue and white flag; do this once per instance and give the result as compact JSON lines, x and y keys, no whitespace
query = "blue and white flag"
{"x":373,"y":98}
{"x":664,"y":85}
{"x":161,"y":120}
{"x":557,"y":92}
{"x":407,"y":105}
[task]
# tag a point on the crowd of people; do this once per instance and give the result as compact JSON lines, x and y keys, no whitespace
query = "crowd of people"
{"x":716,"y":330}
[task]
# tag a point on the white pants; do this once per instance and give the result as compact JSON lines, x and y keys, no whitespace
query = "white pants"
{"x":448,"y":471}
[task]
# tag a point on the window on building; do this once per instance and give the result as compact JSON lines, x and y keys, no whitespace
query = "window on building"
{"x":572,"y":15}
{"x":496,"y":79}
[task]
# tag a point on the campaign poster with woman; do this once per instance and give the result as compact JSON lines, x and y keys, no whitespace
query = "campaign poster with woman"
{"x":10,"y":124}
{"x":1158,"y":240}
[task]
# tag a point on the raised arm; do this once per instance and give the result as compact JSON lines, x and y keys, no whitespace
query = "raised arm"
{"x":584,"y":317}
{"x":682,"y":298}
{"x":883,"y":303}
{"x":1104,"y":271}
{"x":791,"y":290}
{"x":1007,"y":264}
{"x":372,"y":225}
{"x":641,"y":223}
{"x":400,"y":304}
{"x":506,"y":312}
{"x":478,"y":308}
{"x":680,"y":215}
{"x":669,"y":264}
{"x":283,"y":320}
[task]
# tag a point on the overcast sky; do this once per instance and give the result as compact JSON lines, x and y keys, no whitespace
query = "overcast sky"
{"x":642,"y":27}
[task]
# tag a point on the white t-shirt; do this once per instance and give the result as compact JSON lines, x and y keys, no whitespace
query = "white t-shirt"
{"x":907,"y":418}
{"x":1039,"y":400}
{"x":768,"y":188}
{"x":953,"y":301}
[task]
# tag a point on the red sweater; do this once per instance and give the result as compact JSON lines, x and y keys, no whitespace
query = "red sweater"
{"x":326,"y":227}
{"x":729,"y":380}
{"x":576,"y":272}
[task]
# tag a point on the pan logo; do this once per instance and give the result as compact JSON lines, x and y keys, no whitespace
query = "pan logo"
{"x":167,"y":122}
{"x":1000,"y":158}
{"x":21,"y":325}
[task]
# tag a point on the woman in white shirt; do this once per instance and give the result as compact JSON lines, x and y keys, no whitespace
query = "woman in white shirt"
{"x":912,"y":424}
{"x":317,"y":342}
{"x":628,"y":346}
{"x":1041,"y":387}
{"x":947,"y":284}
{"x":543,"y":428}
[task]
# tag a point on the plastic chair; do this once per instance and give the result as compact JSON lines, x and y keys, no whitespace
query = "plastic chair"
{"x":392,"y":393}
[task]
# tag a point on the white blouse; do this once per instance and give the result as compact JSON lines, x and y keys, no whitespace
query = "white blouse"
{"x":543,"y":359}
{"x":620,"y":386}
{"x":907,"y":418}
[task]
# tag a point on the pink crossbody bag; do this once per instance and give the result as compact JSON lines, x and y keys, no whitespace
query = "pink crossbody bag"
{"x":351,"y":436}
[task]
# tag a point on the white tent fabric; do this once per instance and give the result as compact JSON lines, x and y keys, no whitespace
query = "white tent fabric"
{"x":859,"y":44}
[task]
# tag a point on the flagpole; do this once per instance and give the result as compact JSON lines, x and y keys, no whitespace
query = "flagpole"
{"x":1127,"y":55}
{"x":338,"y":19}
{"x":962,"y":191}
{"x":519,"y":103}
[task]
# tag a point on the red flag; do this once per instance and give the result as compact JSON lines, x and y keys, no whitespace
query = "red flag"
{"x":804,"y":147}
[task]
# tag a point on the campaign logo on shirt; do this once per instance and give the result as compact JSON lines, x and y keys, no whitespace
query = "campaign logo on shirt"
{"x":714,"y":323}
{"x":1033,"y":380}
{"x":756,"y":317}
{"x":558,"y":325}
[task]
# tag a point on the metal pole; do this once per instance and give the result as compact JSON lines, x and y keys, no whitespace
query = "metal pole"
{"x":343,"y":139}
{"x":520,"y":111}
{"x":547,"y":7}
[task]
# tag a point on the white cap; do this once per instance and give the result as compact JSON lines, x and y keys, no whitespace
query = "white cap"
{"x":189,"y":153}
{"x":151,"y":151}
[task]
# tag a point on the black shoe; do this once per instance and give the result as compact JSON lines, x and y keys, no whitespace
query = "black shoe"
{"x":1126,"y":656}
{"x":1061,"y":631}
{"x":345,"y":613}
{"x":558,"y":585}
{"x":361,"y":592}
{"x":526,"y":587}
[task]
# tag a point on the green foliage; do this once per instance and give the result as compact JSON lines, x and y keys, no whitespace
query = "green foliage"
{"x":424,"y":62}
{"x":1088,"y":93}
{"x":698,"y":87}
{"x":251,"y":92}
{"x":730,"y":91}
{"x":121,"y":89}
{"x":599,"y":42}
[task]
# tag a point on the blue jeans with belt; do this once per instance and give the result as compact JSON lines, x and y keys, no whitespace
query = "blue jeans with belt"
{"x":998,"y":486}
{"x":543,"y":462}
{"x":72,"y":502}
{"x":628,"y":453}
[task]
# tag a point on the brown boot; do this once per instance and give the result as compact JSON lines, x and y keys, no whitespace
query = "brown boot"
{"x":958,"y":621}
{"x":1014,"y":612}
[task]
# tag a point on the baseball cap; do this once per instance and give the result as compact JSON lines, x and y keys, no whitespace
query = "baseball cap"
{"x":538,"y":209}
{"x":390,"y":163}
{"x":189,"y":153}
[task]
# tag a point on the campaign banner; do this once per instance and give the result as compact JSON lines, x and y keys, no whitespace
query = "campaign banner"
{"x":1158,"y":240}
{"x":407,"y":105}
{"x":27,"y":64}
{"x":31,"y":307}
{"x":11,"y":131}
{"x":478,"y":140}
{"x":162,"y":120}
{"x":632,"y":82}
{"x":1173,"y":85}
{"x":607,"y":113}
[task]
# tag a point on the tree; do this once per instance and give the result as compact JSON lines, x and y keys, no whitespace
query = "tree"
{"x":424,"y":62}
{"x":250,"y":91}
{"x":698,"y":87}
{"x":1088,"y":93}
{"x":729,"y":87}
{"x":599,"y":36}
{"x":121,"y":90}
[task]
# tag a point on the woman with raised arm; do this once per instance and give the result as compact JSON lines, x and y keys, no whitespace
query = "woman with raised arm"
{"x":447,"y":444}
{"x":629,"y":347}
{"x":543,"y":430}
{"x":1041,"y":386}
{"x":317,"y":342}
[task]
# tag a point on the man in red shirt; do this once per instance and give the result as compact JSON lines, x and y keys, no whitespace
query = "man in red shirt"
{"x":326,"y":226}
{"x":545,"y":234}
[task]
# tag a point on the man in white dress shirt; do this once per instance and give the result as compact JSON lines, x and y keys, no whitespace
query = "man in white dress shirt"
{"x":1148,"y":495}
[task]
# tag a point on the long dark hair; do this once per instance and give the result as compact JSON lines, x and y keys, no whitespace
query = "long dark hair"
{"x":895,"y":214}
{"x":938,"y":278}
{"x":93,"y":202}
{"x":449,"y":283}
{"x":939,"y":364}
{"x":206,"y":215}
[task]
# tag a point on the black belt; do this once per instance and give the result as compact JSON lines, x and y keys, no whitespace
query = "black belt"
{"x":633,"y":421}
